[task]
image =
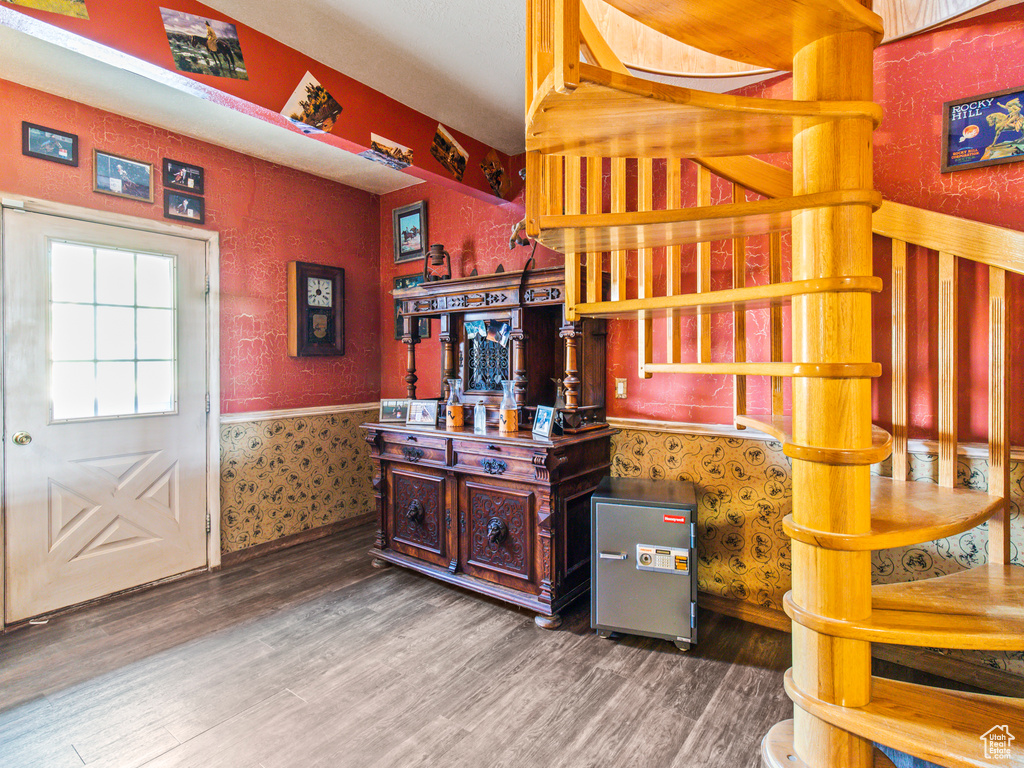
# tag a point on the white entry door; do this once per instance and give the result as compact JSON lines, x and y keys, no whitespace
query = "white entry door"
{"x":104,"y":409}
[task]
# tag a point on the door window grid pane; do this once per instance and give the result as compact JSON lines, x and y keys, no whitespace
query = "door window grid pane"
{"x":151,"y":387}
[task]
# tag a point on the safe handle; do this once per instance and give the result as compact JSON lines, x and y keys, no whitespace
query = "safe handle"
{"x":612,"y":555}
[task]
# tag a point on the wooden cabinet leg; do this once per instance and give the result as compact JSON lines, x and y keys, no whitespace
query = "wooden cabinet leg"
{"x":554,"y":621}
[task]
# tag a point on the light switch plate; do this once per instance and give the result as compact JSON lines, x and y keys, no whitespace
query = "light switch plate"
{"x":620,"y":389}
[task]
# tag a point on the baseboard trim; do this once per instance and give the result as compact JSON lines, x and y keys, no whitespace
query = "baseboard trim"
{"x":302,"y":537}
{"x":922,"y":659}
{"x":293,"y":413}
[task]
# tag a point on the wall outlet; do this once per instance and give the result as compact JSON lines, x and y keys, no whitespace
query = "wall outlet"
{"x":620,"y":389}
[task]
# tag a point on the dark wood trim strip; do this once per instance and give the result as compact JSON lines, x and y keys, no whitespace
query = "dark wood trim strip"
{"x":302,"y":537}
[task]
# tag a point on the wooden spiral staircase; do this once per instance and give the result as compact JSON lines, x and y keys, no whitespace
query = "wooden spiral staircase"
{"x":585,"y":116}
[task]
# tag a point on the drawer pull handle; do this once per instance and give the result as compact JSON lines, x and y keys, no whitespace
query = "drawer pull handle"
{"x":493,"y":466}
{"x":410,"y":437}
{"x":492,"y":447}
{"x":414,"y":513}
{"x":497,"y":531}
{"x":412,"y":454}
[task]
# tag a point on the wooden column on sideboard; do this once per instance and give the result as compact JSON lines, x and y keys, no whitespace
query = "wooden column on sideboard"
{"x":999,"y":414}
{"x":645,"y":269}
{"x":411,"y":337}
{"x":703,"y":270}
{"x":447,"y":353}
{"x":949,"y":388}
{"x":775,"y":320}
{"x":739,"y":318}
{"x":899,"y":360}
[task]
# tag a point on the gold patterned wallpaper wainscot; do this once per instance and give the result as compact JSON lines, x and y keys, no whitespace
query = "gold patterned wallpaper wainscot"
{"x":743,"y":492}
{"x":281,"y":476}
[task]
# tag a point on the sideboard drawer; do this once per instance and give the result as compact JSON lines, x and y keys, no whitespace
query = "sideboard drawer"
{"x":415,"y":449}
{"x":495,"y":464}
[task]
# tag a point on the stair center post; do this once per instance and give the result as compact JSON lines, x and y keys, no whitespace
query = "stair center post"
{"x":832,"y":412}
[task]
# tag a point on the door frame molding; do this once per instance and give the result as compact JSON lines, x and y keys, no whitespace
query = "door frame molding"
{"x":211,"y":239}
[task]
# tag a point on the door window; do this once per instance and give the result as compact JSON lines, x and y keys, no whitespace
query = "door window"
{"x":112,"y":318}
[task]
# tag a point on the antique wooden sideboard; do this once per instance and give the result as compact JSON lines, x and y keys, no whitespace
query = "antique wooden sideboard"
{"x":504,"y":515}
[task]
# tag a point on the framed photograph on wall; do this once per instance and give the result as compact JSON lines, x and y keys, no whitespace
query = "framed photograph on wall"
{"x":316,"y":309}
{"x":187,"y":178}
{"x":983,"y":130}
{"x":409,"y":228}
{"x":408,"y":281}
{"x":184,"y":207}
{"x":48,"y":144}
{"x":121,"y":177}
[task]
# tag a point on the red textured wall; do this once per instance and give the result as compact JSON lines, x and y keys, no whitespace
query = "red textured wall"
{"x":274,"y":70}
{"x":266,"y":215}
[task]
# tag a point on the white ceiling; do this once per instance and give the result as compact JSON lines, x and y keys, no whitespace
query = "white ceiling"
{"x":459,"y":61}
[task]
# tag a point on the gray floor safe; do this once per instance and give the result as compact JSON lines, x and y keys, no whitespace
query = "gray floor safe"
{"x":643,"y":566}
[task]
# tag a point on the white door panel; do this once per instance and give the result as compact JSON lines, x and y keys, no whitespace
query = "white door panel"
{"x":109,"y":381}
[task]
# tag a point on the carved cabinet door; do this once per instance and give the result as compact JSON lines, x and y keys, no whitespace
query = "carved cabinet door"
{"x":497,"y":533}
{"x":418,"y":518}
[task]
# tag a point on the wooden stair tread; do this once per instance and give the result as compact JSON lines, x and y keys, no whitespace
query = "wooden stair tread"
{"x":595,"y":232}
{"x":777,"y":749}
{"x":782,"y":27}
{"x":904,"y":513}
{"x":979,"y":609}
{"x":616,"y":115}
{"x":942,"y":726}
{"x":729,"y":300}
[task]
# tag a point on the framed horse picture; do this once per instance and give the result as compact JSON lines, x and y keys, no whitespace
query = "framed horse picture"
{"x":122,"y":177}
{"x":187,"y":178}
{"x":983,"y":130}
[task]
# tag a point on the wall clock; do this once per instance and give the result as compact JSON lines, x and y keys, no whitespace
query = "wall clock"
{"x":316,"y":309}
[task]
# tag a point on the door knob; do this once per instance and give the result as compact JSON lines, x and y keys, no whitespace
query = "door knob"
{"x":22,"y":438}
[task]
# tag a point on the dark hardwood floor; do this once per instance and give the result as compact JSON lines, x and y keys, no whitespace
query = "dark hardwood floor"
{"x":310,"y":658}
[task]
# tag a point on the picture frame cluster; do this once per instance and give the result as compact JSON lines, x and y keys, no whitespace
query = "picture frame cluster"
{"x":124,"y":177}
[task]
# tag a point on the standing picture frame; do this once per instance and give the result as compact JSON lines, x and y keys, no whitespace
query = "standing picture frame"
{"x":543,"y":421}
{"x":316,"y":310}
{"x":409,"y":229}
{"x":49,"y":144}
{"x":983,"y":130}
{"x":394,"y":411}
{"x":422,"y":413}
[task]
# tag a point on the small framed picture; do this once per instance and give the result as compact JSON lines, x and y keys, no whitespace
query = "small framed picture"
{"x":543,"y":421}
{"x":409,"y":226}
{"x":188,"y":178}
{"x":394,"y":411}
{"x":422,"y":413}
{"x":48,"y":144}
{"x":184,"y":207}
{"x":983,"y":130}
{"x":121,"y":177}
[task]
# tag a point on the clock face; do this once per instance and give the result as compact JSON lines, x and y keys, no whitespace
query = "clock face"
{"x":318,"y":292}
